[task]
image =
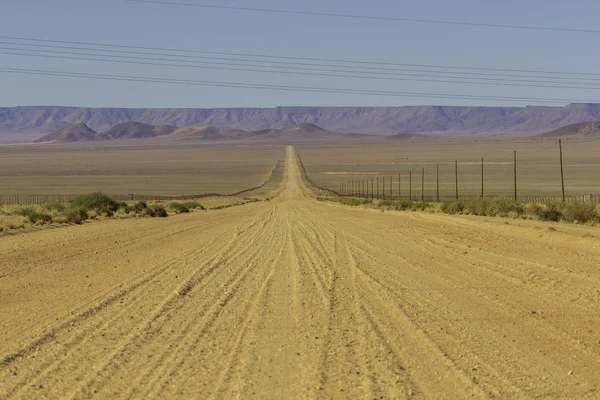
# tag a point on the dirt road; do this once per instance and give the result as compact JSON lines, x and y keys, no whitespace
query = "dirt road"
{"x":295,"y":298}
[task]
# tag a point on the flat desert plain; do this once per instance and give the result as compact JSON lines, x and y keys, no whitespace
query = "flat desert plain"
{"x":130,"y":168}
{"x":538,"y":165}
{"x":296,"y":298}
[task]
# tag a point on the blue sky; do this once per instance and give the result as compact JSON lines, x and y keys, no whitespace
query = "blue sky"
{"x":126,"y":23}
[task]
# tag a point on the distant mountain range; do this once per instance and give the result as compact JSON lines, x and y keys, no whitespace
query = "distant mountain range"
{"x":137,"y":130}
{"x":29,"y":122}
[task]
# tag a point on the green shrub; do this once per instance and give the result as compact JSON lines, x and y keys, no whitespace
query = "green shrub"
{"x":99,"y":202}
{"x":178,"y":207}
{"x":76,"y":216}
{"x":453,"y":207}
{"x":580,"y":212}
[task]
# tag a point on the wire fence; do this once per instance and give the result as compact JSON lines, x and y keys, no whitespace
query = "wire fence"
{"x":35,"y":199}
{"x":426,"y":185}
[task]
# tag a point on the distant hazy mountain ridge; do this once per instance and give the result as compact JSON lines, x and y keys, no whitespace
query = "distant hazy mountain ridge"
{"x":375,"y":120}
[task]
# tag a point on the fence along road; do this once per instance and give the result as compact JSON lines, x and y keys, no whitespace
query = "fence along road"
{"x":295,"y":298}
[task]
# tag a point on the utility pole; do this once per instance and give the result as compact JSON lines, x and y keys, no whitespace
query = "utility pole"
{"x":437,"y":167}
{"x":562,"y":173}
{"x":372,"y":197}
{"x":399,"y":188}
{"x":423,"y":184}
{"x":456,"y":177}
{"x":482,"y":177}
{"x":377,"y":188}
{"x":383,"y":191}
{"x":515,"y":175}
{"x":410,"y":185}
{"x":391,"y":188}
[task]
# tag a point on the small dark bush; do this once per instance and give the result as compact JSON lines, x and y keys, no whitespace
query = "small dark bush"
{"x":140,"y":206}
{"x":158,"y":212}
{"x":76,"y":215}
{"x":26,"y":212}
{"x":178,"y":207}
{"x":99,"y":202}
{"x":453,"y":207}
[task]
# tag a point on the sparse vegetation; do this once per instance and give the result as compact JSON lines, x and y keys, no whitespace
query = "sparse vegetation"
{"x":96,"y":206}
{"x":575,"y":212}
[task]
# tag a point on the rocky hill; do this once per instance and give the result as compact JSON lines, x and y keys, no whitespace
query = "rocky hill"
{"x":72,"y":133}
{"x":585,"y":129}
{"x":516,"y":121}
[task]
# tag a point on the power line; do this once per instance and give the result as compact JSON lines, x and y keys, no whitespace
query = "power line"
{"x":282,"y":87}
{"x":243,"y":68}
{"x":271,"y":57}
{"x":368,"y":17}
{"x":292,"y":65}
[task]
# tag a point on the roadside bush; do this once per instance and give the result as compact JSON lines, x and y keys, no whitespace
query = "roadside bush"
{"x":498,"y":207}
{"x":54,"y":207}
{"x":25,"y":211}
{"x":420,"y":206}
{"x":397,"y":205}
{"x":156,"y":212}
{"x":477,"y":207}
{"x":550,"y":212}
{"x":191,"y":205}
{"x":97,"y":201}
{"x":453,"y":207}
{"x":503,"y":207}
{"x":178,"y":207}
{"x":76,"y":216}
{"x":580,"y":212}
{"x":139,"y":207}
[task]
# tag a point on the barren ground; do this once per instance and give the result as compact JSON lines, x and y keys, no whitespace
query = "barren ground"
{"x":294,"y":298}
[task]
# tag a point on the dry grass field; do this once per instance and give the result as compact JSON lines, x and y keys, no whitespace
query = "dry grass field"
{"x":163,"y":169}
{"x":538,"y":167}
